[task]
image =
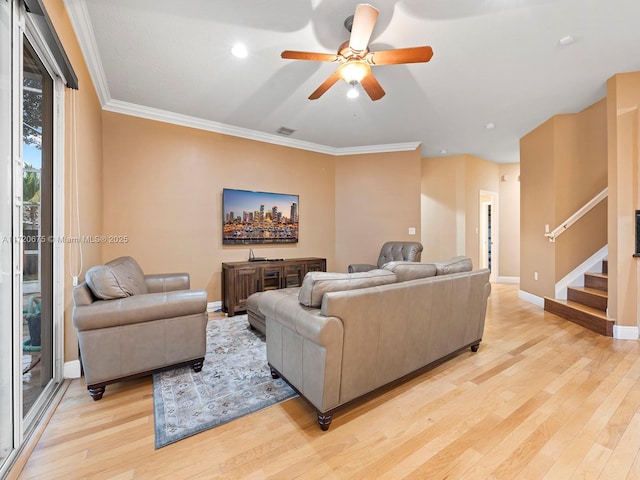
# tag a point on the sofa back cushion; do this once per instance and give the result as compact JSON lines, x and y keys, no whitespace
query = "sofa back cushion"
{"x":119,"y":278}
{"x":316,"y":284}
{"x":411,"y":270}
{"x":454,"y":265}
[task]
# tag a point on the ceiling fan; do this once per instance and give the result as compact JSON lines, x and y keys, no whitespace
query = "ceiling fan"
{"x":356,"y":59}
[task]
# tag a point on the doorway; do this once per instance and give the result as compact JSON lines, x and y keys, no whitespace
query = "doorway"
{"x":488,"y":232}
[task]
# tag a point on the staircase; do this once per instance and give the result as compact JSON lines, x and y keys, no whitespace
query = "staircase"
{"x":586,"y":306}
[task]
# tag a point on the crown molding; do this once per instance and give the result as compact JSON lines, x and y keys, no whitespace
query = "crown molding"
{"x":384,"y":148}
{"x":165,"y":116}
{"x":81,"y":22}
{"x":83,"y":28}
{"x":126,"y":108}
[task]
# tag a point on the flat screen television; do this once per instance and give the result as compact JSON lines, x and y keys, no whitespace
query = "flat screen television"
{"x":250,"y":217}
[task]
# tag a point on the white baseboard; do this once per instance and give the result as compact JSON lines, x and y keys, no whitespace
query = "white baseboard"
{"x":531,"y":298}
{"x":71,"y":369}
{"x":625,"y":333}
{"x":213,"y":306}
{"x":508,"y":280}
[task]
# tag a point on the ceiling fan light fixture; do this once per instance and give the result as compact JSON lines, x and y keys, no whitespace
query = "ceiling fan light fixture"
{"x":353,"y":92}
{"x":353,"y":71}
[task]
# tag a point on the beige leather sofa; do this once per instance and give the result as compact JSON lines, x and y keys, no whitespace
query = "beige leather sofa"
{"x":130,"y":324}
{"x":345,"y":335}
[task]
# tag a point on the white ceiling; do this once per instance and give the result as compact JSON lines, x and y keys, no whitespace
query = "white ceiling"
{"x":495,"y":61}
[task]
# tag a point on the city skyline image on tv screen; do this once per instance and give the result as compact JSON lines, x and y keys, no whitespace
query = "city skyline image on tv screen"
{"x":250,"y":217}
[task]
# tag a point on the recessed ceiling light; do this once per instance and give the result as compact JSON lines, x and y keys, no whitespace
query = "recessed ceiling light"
{"x":490,"y":126}
{"x":239,"y":51}
{"x":566,"y":40}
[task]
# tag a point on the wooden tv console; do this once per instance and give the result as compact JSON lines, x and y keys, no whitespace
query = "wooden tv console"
{"x":241,"y":279}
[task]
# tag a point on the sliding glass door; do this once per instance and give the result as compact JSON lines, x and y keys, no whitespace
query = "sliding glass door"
{"x":37,"y":228}
{"x":31,"y":207}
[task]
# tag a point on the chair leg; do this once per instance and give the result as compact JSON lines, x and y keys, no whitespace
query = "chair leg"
{"x":96,"y":392}
{"x":324,"y":420}
{"x":197,"y":365}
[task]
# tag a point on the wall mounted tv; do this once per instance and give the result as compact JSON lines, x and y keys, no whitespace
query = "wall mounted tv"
{"x":250,"y":217}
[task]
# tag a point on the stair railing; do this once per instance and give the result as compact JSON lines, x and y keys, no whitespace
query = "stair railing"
{"x":577,"y":216}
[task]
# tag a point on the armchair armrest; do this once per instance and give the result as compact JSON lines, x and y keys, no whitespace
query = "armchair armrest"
{"x":139,"y":308}
{"x":167,"y":282}
{"x":361,"y":267}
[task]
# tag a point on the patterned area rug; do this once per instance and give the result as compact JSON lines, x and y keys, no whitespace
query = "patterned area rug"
{"x":234,"y":381}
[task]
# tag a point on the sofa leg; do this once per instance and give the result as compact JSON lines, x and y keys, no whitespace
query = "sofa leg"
{"x":324,"y":420}
{"x":474,"y":348}
{"x":197,"y":365}
{"x":96,"y":392}
{"x":274,"y":374}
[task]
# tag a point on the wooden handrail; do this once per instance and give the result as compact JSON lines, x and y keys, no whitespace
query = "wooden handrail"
{"x":577,"y":216}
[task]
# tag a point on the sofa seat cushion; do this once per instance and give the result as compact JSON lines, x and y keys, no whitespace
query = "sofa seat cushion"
{"x":454,"y":265}
{"x":119,"y":278}
{"x":316,"y":284}
{"x":406,"y":271}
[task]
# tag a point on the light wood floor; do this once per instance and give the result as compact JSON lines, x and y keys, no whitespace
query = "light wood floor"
{"x":542,"y":399}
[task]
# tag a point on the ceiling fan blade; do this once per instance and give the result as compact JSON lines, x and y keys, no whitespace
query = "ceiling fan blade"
{"x":372,"y":87}
{"x":363,"y":22}
{"x":326,"y":85}
{"x":400,"y":55}
{"x":318,"y":57}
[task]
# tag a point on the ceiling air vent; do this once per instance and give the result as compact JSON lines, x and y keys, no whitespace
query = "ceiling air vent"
{"x":285,"y":131}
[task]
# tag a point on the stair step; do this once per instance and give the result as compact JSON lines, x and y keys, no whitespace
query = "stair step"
{"x":588,"y":296}
{"x":598,"y":281}
{"x":583,"y":315}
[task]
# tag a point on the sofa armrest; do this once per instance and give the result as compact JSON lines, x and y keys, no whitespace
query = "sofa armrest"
{"x":361,"y":267}
{"x":308,"y":322}
{"x":139,"y":308}
{"x":167,"y":282}
{"x":305,"y":347}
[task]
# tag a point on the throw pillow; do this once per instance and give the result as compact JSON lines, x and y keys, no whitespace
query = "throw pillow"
{"x":119,"y":278}
{"x":103,"y":283}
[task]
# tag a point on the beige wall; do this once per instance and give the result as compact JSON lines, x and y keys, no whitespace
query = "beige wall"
{"x":580,"y":173}
{"x":89,"y":154}
{"x":509,"y":220}
{"x":442,"y":202}
{"x":537,"y":197}
{"x":623,"y":122}
{"x":451,"y":188}
{"x":481,"y":176}
{"x":377,"y":200}
{"x":563,"y":165}
{"x":163,"y":189}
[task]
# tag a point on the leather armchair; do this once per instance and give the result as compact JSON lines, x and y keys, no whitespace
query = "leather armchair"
{"x":130,"y":324}
{"x":390,"y":252}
